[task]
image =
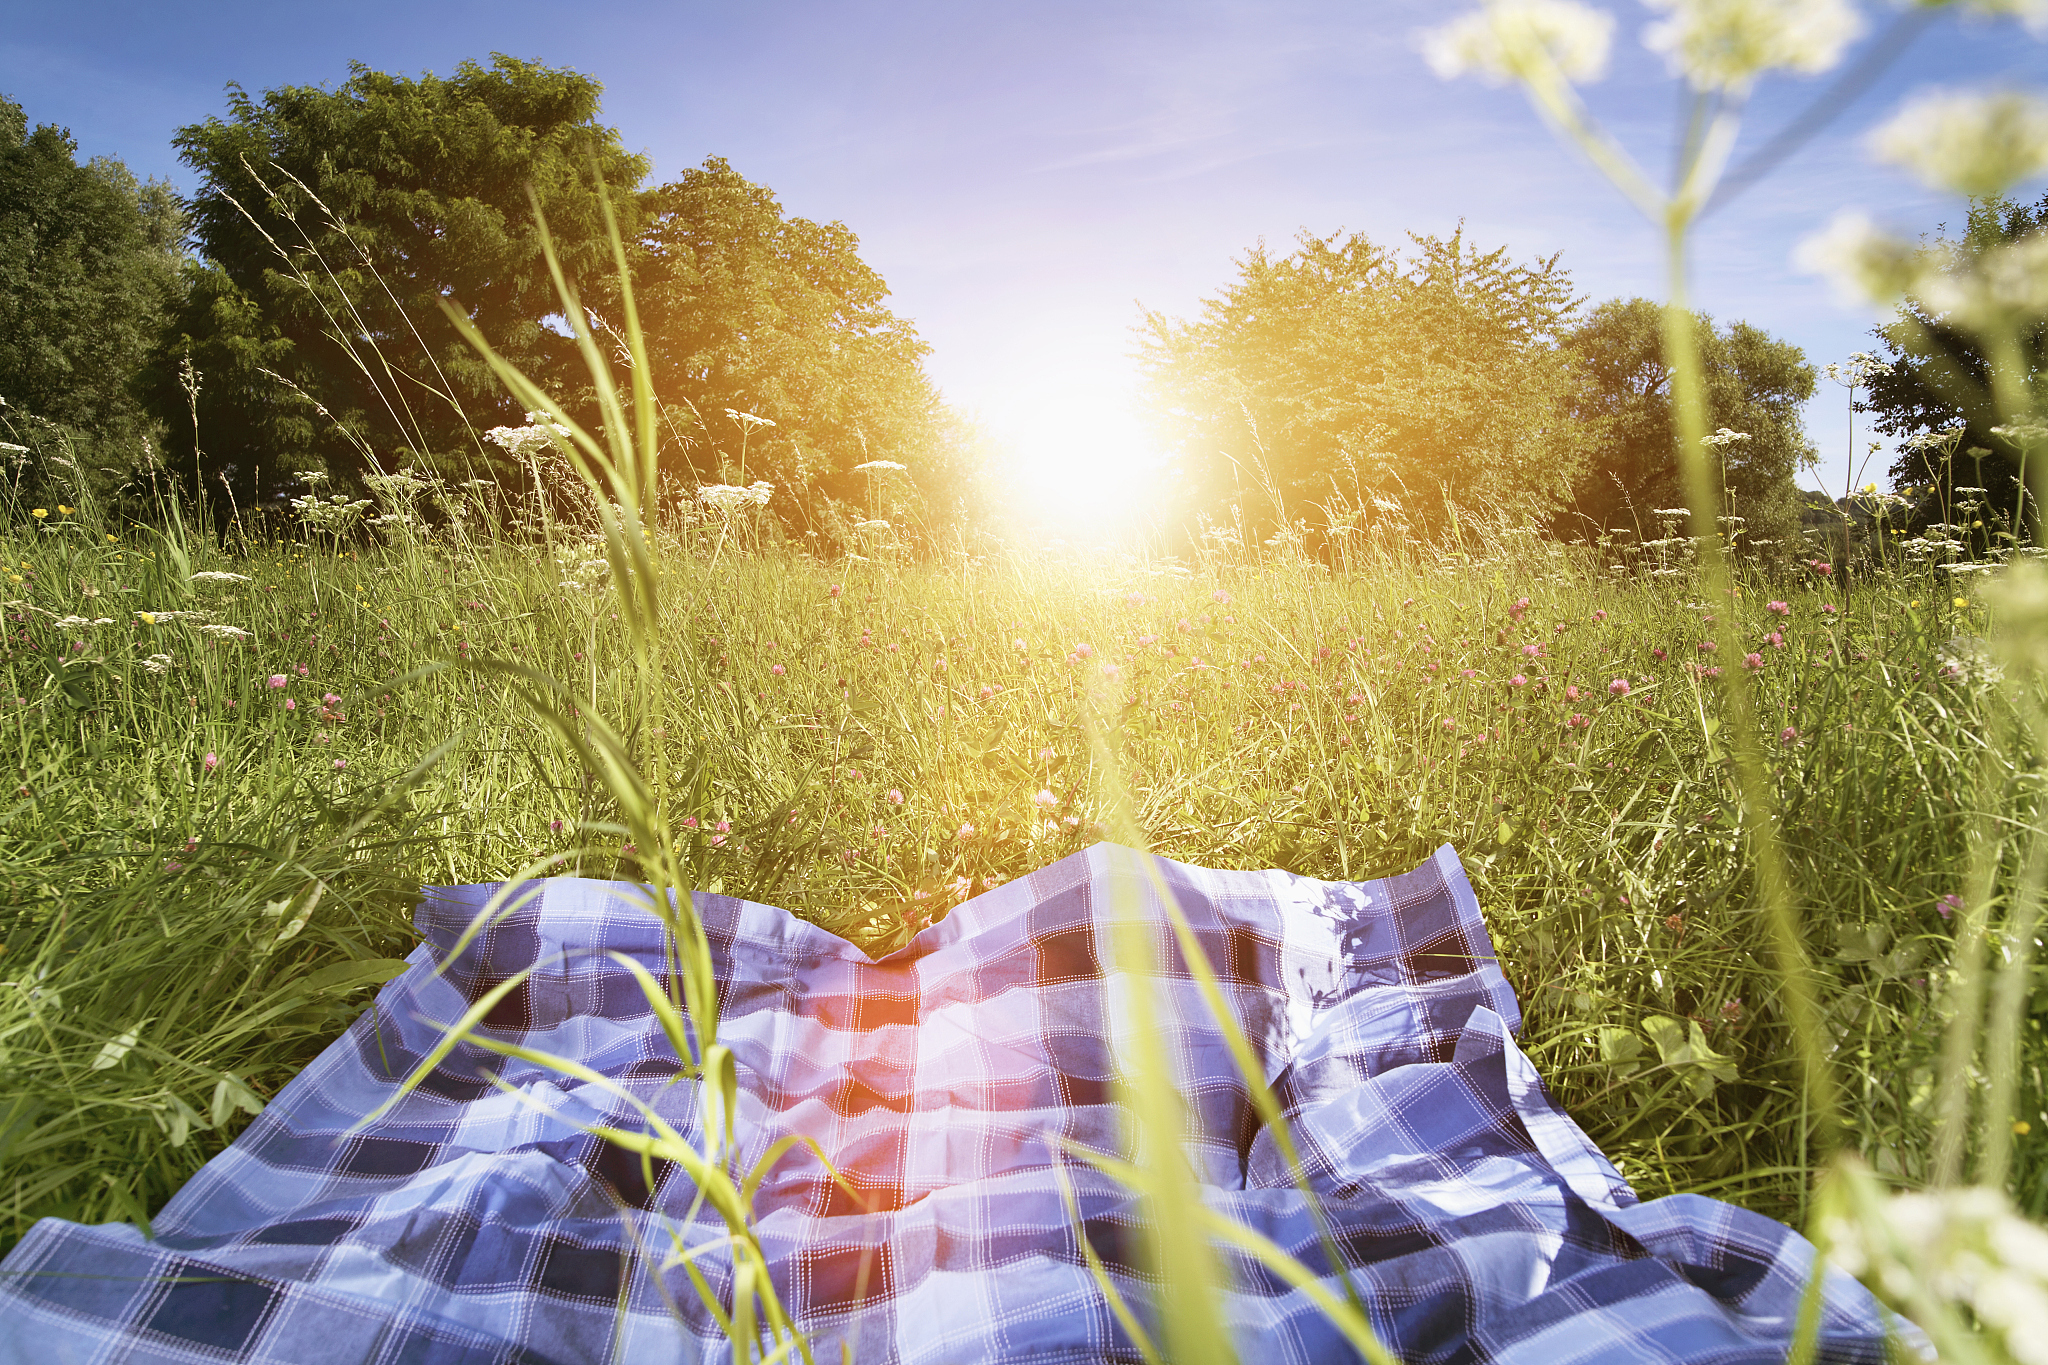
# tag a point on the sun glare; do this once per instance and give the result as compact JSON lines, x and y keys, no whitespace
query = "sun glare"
{"x":1076,"y":454}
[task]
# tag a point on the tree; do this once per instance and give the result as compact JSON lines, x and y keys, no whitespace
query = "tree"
{"x":1346,"y":371}
{"x":1754,"y":385}
{"x":744,"y":309}
{"x":88,"y":269}
{"x":333,"y":222}
{"x":1940,"y":378}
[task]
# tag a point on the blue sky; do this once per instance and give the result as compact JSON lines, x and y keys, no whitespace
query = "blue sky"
{"x":1026,"y":176}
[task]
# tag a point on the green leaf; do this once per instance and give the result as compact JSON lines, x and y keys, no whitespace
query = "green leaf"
{"x":343,"y":977}
{"x":1621,"y":1050}
{"x":1683,"y":1047}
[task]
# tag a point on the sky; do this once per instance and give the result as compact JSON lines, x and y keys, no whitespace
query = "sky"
{"x":1029,"y":179}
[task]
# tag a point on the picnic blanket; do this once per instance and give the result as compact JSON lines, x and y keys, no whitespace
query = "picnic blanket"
{"x":481,"y":1222}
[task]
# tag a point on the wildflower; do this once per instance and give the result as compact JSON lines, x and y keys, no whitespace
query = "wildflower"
{"x":1727,"y":44}
{"x":1577,"y":722}
{"x":1961,"y":602}
{"x":1045,"y":798}
{"x":1449,"y":724}
{"x":895,"y":797}
{"x":278,"y":680}
{"x":1708,"y":646}
{"x":210,"y":762}
{"x":1599,"y":615}
{"x":776,"y":669}
{"x":1828,"y":607}
{"x":554,"y":826}
{"x":300,"y":669}
{"x":1732,"y":1011}
{"x":1618,"y":688}
{"x":1777,"y":639}
{"x":837,"y":589}
{"x":39,"y":513}
{"x":1539,"y":41}
{"x":218,"y":576}
{"x":1971,"y":144}
{"x":340,"y":763}
{"x":1571,"y":692}
{"x":1752,"y":662}
{"x":330,"y":699}
{"x":1219,"y":596}
{"x":1518,"y":608}
{"x":1531,"y":651}
{"x":148,"y":618}
{"x":729,"y":498}
{"x":966,"y":831}
{"x":1788,"y":735}
{"x":748,"y":418}
{"x":1518,"y":681}
{"x":1082,"y":651}
{"x":868,"y":466}
{"x":1948,"y":905}
{"x":290,"y":705}
{"x":1111,"y":672}
{"x":157,"y":663}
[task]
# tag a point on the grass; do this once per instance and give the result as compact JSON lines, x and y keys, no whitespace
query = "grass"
{"x":869,"y":742}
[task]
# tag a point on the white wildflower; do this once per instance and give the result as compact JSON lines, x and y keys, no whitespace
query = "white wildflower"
{"x":71,"y":623}
{"x":747,"y":418}
{"x":1865,"y":263}
{"x":871,"y":526}
{"x":2006,"y":286}
{"x":1672,"y":511}
{"x":218,"y":576}
{"x":1966,"y":142}
{"x":226,"y":632}
{"x":540,"y":432}
{"x":1724,"y":437}
{"x":1727,"y":44}
{"x":729,"y":497}
{"x":1529,"y":40}
{"x":157,"y":663}
{"x":880,"y":464}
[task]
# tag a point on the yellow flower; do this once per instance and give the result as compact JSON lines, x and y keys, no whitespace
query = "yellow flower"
{"x":1914,"y":603}
{"x":2022,"y":1127}
{"x":112,"y":538}
{"x":1962,"y":602}
{"x":39,"y":512}
{"x":63,"y":509}
{"x":146,"y":617}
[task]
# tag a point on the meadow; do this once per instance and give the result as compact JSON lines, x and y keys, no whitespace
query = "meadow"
{"x":237,"y":759}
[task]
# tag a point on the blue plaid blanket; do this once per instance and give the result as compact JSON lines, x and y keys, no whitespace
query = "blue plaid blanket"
{"x":480,"y":1222}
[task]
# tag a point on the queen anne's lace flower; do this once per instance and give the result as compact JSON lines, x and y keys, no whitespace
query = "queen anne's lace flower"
{"x":729,"y":497}
{"x":1727,"y":44}
{"x":1968,"y":143}
{"x":1529,"y":40}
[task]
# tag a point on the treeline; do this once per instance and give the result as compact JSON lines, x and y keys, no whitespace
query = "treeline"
{"x":288,"y":319}
{"x":1347,"y":378}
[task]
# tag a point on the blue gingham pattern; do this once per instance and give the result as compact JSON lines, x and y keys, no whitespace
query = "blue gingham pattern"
{"x":480,"y":1223}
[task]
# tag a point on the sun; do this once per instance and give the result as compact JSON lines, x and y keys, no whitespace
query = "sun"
{"x":1076,"y":454}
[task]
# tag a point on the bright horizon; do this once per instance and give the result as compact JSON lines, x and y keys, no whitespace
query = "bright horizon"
{"x":1026,"y":184}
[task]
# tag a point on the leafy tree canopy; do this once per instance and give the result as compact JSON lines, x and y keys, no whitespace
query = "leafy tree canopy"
{"x":1346,"y":371}
{"x":1940,"y":377}
{"x":745,"y":309}
{"x":1622,"y":401}
{"x":333,"y":222}
{"x":88,"y":269}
